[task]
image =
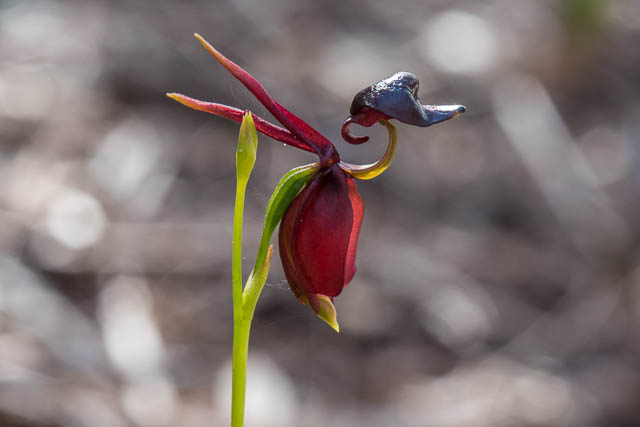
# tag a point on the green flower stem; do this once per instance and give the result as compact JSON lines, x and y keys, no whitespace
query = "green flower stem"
{"x":239,"y":371}
{"x":245,"y":159}
{"x":244,"y":302}
{"x":240,"y":328}
{"x":236,"y":258}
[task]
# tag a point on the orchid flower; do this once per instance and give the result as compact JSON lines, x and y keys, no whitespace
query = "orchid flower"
{"x":318,"y":234}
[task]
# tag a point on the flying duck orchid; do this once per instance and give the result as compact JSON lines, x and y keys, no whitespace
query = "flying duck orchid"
{"x":319,"y":230}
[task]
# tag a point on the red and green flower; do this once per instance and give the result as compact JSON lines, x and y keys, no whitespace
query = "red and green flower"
{"x":319,"y":228}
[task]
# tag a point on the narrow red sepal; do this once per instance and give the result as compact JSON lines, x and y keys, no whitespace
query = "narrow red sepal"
{"x":235,"y":114}
{"x":321,"y":145}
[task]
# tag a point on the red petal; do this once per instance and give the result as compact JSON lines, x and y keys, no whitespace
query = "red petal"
{"x":358,"y":212}
{"x":235,"y":114}
{"x":321,"y":145}
{"x":318,"y":235}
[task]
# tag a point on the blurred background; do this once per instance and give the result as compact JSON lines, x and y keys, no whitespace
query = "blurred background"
{"x":498,"y":277}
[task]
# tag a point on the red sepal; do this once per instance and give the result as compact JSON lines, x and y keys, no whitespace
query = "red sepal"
{"x":298,"y":127}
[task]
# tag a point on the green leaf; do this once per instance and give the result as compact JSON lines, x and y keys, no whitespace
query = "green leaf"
{"x":247,"y":147}
{"x":288,"y":188}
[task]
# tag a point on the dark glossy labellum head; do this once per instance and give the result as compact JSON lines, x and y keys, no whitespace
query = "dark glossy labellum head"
{"x":395,"y":97}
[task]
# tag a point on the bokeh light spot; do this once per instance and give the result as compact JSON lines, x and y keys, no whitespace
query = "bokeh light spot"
{"x":459,"y":42}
